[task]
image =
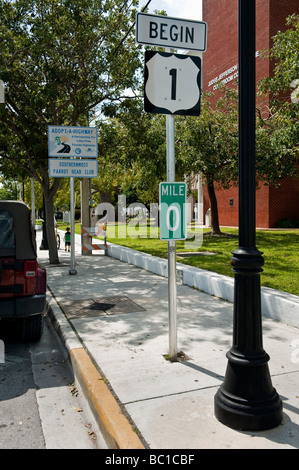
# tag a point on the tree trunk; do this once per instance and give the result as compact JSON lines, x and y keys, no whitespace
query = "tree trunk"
{"x":215,"y":229}
{"x":51,"y":236}
{"x":49,"y":193}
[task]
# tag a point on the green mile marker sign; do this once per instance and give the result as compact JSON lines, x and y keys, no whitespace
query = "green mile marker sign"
{"x":173,"y":221}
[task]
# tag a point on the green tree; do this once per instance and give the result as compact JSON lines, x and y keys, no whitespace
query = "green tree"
{"x":133,"y":144}
{"x":8,"y":189}
{"x":209,"y":145}
{"x":59,"y":59}
{"x":284,"y":53}
{"x":279,"y":127}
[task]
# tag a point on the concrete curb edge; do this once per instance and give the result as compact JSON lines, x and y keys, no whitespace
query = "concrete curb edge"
{"x":116,"y":429}
{"x":278,"y":305}
{"x":114,"y":425}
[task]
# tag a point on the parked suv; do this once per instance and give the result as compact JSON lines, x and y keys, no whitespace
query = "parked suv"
{"x":22,"y":279}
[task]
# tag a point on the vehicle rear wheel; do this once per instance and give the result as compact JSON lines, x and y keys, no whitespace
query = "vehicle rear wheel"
{"x":58,"y":241}
{"x":32,"y":327}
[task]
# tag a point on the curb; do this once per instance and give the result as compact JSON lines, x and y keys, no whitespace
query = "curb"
{"x":278,"y":305}
{"x":115,"y":427}
{"x":113,"y":424}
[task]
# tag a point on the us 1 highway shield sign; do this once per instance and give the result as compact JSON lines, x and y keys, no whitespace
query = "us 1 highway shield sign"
{"x":172,"y":83}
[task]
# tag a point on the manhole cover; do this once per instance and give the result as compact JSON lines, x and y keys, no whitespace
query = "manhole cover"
{"x":103,"y":306}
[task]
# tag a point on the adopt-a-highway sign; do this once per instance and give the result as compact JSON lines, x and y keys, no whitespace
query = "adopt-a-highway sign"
{"x":72,"y":141}
{"x":173,"y":221}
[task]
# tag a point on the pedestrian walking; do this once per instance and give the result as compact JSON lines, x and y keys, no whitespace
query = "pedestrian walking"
{"x":67,"y":239}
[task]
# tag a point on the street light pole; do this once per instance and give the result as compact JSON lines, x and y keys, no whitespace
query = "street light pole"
{"x":247,"y":400}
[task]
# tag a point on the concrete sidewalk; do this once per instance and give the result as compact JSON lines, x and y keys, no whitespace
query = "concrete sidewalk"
{"x":113,"y":318}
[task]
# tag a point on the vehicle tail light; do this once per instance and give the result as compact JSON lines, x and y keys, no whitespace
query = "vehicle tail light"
{"x":30,"y":269}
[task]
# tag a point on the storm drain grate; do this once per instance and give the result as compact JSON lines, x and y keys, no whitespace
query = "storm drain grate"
{"x":103,"y":306}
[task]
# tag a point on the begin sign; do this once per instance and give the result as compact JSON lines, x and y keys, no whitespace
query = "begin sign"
{"x":173,"y":224}
{"x":156,"y":30}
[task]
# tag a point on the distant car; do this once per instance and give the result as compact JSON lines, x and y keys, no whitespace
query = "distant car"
{"x":22,"y":279}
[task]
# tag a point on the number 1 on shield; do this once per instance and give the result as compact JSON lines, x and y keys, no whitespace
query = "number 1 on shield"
{"x":173,"y":73}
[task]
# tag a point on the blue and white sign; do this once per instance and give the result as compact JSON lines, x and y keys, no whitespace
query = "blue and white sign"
{"x":67,"y":141}
{"x":67,"y":168}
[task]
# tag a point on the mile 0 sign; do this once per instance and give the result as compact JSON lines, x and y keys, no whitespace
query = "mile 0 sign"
{"x":172,"y":83}
{"x":173,"y":221}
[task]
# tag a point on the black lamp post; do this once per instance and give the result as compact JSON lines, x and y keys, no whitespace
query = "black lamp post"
{"x":247,"y":400}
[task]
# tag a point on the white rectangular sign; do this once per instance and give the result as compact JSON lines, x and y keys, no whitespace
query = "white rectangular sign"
{"x":155,"y":30}
{"x":67,"y":141}
{"x":67,"y":168}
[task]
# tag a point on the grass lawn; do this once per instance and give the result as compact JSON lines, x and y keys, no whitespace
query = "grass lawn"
{"x":279,"y":247}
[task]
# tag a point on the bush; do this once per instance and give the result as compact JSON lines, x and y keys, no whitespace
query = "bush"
{"x":287,"y":223}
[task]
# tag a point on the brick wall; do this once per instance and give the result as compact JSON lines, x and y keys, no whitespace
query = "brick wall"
{"x":220,"y":61}
{"x":284,"y":201}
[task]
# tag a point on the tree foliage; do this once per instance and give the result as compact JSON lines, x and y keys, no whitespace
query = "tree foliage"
{"x":135,"y":143}
{"x":209,"y":145}
{"x":59,"y":59}
{"x":279,"y":129}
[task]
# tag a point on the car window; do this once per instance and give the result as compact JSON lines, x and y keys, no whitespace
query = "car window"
{"x":7,"y":234}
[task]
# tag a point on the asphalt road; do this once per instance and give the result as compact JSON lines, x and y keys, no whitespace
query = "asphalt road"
{"x":40,"y":406}
{"x":66,"y":148}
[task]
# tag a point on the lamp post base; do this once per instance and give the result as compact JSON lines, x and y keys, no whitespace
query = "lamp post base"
{"x":247,"y":400}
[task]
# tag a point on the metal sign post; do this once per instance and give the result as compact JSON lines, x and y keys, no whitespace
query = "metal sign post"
{"x":172,"y":291}
{"x":72,"y":269}
{"x":172,"y":196}
{"x":172,"y":86}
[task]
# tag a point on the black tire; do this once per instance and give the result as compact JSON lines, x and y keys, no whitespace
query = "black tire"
{"x":58,"y":241}
{"x":32,"y":327}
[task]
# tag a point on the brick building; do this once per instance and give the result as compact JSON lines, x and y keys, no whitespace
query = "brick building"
{"x":220,"y":63}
